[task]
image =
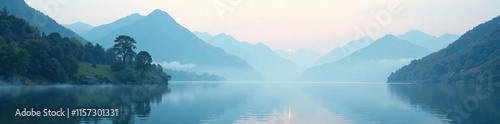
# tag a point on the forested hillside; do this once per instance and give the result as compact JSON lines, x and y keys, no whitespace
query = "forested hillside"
{"x":52,"y":58}
{"x":473,"y":58}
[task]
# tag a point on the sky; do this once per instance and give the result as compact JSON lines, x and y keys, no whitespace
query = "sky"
{"x":318,"y":25}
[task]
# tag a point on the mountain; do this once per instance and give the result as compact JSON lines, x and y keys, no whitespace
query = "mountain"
{"x":100,"y":31}
{"x":79,"y":27}
{"x":343,"y":51}
{"x":473,"y":58}
{"x":432,"y":43}
{"x":168,"y":41}
{"x":203,"y":35}
{"x":44,"y":23}
{"x":260,"y":56}
{"x":370,"y":64}
{"x":302,"y":58}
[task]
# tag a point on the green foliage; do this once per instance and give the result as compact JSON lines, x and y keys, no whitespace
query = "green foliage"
{"x":56,"y":52}
{"x":99,"y":54}
{"x":38,"y":50}
{"x":89,"y":57}
{"x":95,"y":54}
{"x":5,"y":29}
{"x":52,"y":69}
{"x":118,"y":65}
{"x":473,"y":58}
{"x":99,"y":70}
{"x":14,"y":60}
{"x":4,"y":13}
{"x":110,"y":56}
{"x":124,"y":47}
{"x":143,"y":62}
{"x":126,"y":75}
{"x":70,"y":65}
{"x":55,"y":58}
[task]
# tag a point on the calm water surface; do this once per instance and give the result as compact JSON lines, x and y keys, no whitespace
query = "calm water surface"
{"x":256,"y":102}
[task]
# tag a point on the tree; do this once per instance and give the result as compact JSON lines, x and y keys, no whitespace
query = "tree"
{"x":118,"y":66}
{"x":56,"y":52}
{"x":126,"y":75}
{"x":89,"y":57}
{"x":5,"y":29}
{"x":110,"y":56}
{"x":78,"y":50}
{"x":14,"y":60}
{"x":4,"y":13}
{"x":143,"y":62}
{"x":52,"y":69}
{"x":99,"y":54}
{"x":124,"y":47}
{"x":54,"y":38}
{"x":39,"y":51}
{"x":70,"y":65}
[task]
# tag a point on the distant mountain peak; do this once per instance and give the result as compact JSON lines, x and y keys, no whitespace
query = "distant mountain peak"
{"x":79,"y":23}
{"x":223,"y":35}
{"x":159,"y":17}
{"x":416,"y":33}
{"x":158,"y":12}
{"x":260,"y":44}
{"x":388,"y":37}
{"x":134,"y":15}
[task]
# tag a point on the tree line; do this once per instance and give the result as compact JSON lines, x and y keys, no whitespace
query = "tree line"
{"x":25,"y":52}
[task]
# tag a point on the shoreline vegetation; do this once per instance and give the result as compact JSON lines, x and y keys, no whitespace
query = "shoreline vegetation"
{"x":28,"y":56}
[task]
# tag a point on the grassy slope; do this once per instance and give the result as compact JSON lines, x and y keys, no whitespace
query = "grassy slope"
{"x":87,"y":69}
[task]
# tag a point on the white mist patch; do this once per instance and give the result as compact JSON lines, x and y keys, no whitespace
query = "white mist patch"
{"x":176,"y":65}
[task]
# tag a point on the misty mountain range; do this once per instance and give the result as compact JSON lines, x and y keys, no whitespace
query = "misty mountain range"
{"x":374,"y":60}
{"x":222,"y":54}
{"x":369,"y":64}
{"x":473,"y":58}
{"x":163,"y":37}
{"x":260,"y":56}
{"x":79,"y":27}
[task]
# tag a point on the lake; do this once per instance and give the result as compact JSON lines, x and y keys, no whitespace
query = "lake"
{"x":258,"y":102}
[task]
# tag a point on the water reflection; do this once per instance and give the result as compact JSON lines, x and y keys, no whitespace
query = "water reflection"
{"x":131,"y":100}
{"x":459,"y":103}
{"x":254,"y":102}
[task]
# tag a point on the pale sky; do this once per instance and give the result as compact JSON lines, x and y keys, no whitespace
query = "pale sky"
{"x":318,"y":25}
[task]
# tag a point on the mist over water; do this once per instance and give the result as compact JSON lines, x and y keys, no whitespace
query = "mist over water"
{"x":252,"y":102}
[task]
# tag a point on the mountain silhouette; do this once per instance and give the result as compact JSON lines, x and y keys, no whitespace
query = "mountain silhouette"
{"x":339,"y":53}
{"x":79,"y":27}
{"x":370,"y":64}
{"x":260,"y":56}
{"x":301,"y":57}
{"x":430,"y":42}
{"x":44,"y":23}
{"x":203,"y":35}
{"x":473,"y":58}
{"x":168,"y":41}
{"x":100,"y":31}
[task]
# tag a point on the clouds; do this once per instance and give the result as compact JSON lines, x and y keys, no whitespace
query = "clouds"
{"x":175,"y":65}
{"x":319,"y":25}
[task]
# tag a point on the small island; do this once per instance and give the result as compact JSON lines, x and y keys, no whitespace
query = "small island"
{"x":28,"y":56}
